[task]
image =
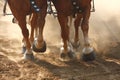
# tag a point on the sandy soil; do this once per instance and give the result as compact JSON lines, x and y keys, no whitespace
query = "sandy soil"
{"x":104,"y":34}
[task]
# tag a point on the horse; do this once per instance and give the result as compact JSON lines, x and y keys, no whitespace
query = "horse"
{"x":37,"y":8}
{"x":80,"y":10}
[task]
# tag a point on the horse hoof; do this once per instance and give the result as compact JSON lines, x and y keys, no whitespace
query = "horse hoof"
{"x":67,"y":56}
{"x":88,"y":57}
{"x":29,"y":57}
{"x":23,"y":49}
{"x":43,"y":49}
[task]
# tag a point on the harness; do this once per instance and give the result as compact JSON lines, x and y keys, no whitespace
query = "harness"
{"x":76,"y":7}
{"x":50,"y":10}
{"x":35,"y":7}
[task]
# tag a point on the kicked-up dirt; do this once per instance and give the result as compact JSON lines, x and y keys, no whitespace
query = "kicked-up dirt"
{"x":104,"y":34}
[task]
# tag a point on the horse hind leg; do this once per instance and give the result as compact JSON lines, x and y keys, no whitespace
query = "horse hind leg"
{"x":67,"y":52}
{"x":77,"y":23}
{"x":28,"y":53}
{"x":31,"y":20}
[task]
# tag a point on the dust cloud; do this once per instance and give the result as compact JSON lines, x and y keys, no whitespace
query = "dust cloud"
{"x":105,"y":25}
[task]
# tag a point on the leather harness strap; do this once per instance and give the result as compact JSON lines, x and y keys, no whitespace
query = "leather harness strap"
{"x":76,"y":7}
{"x":35,"y":7}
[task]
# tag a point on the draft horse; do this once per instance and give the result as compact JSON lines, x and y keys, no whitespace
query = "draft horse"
{"x":37,"y":8}
{"x":80,"y":9}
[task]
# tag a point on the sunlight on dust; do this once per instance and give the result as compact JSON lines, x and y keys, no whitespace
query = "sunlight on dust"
{"x":104,"y":24}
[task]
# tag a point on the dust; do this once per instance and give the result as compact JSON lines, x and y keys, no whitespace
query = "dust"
{"x":104,"y":36}
{"x":105,"y":26}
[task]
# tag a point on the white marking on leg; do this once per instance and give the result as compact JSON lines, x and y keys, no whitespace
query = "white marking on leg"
{"x":69,"y":48}
{"x":28,"y":52}
{"x":39,"y":40}
{"x":87,"y":50}
{"x":76,"y":44}
{"x":23,"y":44}
{"x":39,"y":44}
{"x":87,"y":41}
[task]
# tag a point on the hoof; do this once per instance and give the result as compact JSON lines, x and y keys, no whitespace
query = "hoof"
{"x":67,"y":56}
{"x":43,"y":49}
{"x":88,"y":57}
{"x":23,"y":49}
{"x":29,"y":57}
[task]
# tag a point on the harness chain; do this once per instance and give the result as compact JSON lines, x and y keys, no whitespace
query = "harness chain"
{"x":35,"y":7}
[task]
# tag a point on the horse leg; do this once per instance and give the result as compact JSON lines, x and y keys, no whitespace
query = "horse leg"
{"x":32,"y":23}
{"x":33,"y":26}
{"x":31,"y":35}
{"x":88,"y":51}
{"x":28,"y":53}
{"x":67,"y":50}
{"x":77,"y":23}
{"x":39,"y":44}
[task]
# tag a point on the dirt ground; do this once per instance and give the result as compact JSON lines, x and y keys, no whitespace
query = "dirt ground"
{"x":104,"y":35}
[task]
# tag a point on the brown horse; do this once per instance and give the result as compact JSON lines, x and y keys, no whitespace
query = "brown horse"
{"x":80,"y":9}
{"x":20,"y":9}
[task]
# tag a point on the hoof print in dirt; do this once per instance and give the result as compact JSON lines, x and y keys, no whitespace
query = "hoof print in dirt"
{"x":88,"y":57}
{"x":43,"y":49}
{"x":23,"y":49}
{"x":67,"y":56}
{"x":29,"y":57}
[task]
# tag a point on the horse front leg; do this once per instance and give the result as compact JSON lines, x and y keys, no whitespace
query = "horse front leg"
{"x":77,"y":23}
{"x":33,"y":22}
{"x":88,"y":50}
{"x":66,"y":50}
{"x":39,"y":43}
